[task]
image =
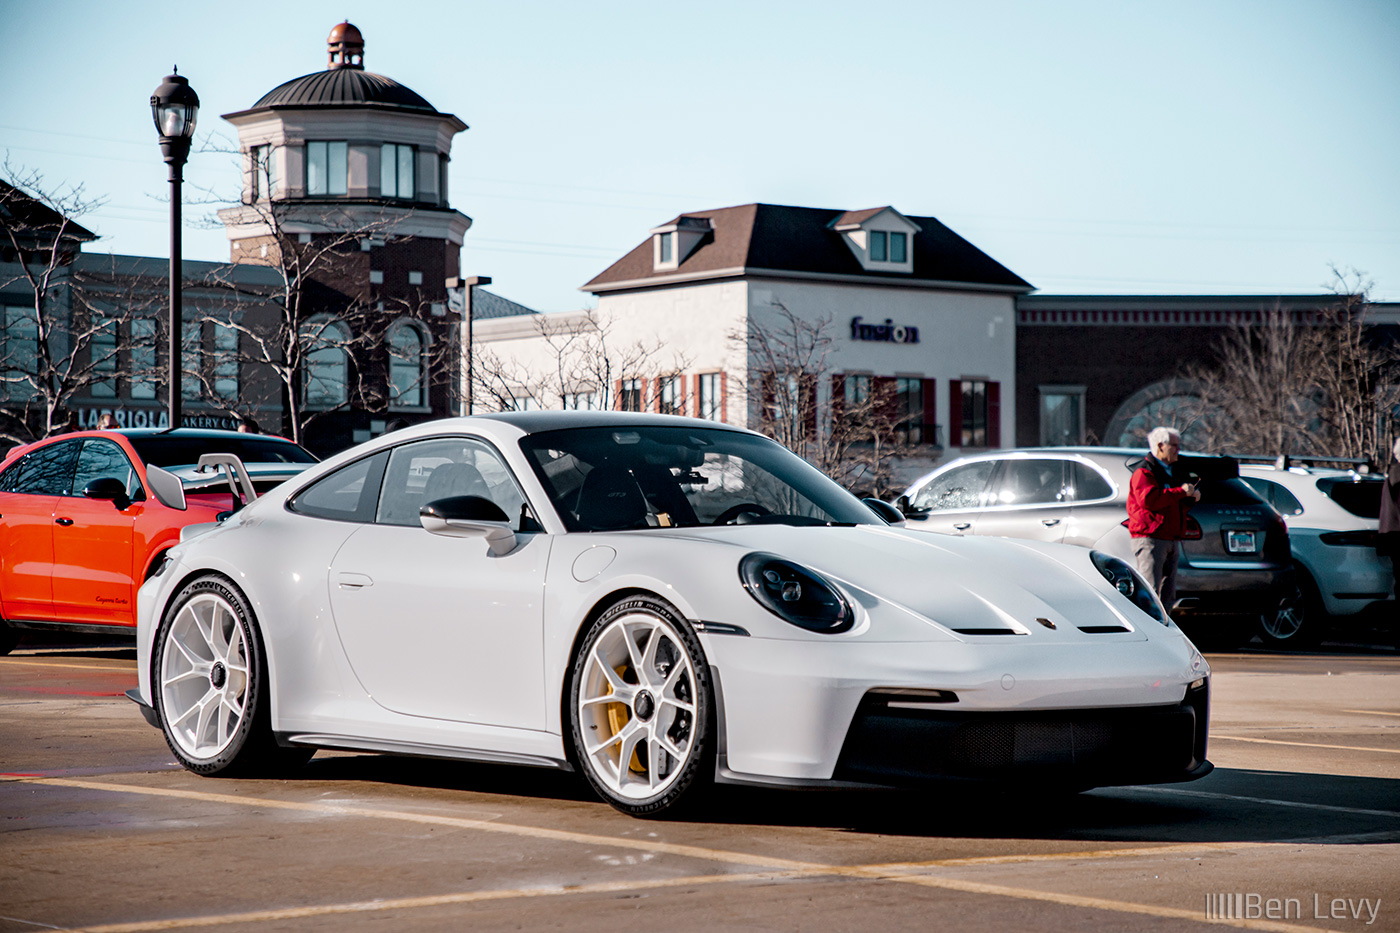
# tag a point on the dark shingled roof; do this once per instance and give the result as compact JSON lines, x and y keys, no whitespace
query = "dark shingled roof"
{"x":488,"y":304}
{"x":774,"y":237}
{"x":346,"y":87}
{"x":30,"y":217}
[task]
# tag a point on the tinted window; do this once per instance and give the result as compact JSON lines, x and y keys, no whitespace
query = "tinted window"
{"x":603,"y":479}
{"x":166,"y":451}
{"x":47,"y":471}
{"x":1361,"y":498}
{"x":100,"y":459}
{"x":1279,"y":497}
{"x":1088,"y":484}
{"x":347,"y":495}
{"x":959,"y":488}
{"x":443,"y":467}
{"x":1030,"y":482}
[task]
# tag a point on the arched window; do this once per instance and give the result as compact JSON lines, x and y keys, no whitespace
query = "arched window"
{"x":327,"y":376}
{"x":408,"y":369}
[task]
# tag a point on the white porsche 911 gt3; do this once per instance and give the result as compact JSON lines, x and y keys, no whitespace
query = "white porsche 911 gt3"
{"x":659,"y":603}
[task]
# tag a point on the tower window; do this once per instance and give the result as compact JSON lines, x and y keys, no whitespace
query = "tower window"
{"x":396,"y":175}
{"x":327,"y":169}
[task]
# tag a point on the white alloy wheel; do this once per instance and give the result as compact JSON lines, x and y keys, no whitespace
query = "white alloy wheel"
{"x":641,"y":706}
{"x":204,"y":676}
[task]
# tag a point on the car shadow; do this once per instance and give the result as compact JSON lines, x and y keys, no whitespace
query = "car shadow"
{"x":1230,"y":805}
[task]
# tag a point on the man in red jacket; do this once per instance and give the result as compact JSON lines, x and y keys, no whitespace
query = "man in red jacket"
{"x":1157,"y":504}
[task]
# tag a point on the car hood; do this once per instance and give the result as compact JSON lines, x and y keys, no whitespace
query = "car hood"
{"x":974,"y":586}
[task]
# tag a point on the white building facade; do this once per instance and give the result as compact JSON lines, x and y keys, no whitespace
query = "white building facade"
{"x":720,"y":314}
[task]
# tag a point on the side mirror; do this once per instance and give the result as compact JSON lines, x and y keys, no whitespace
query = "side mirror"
{"x":111,"y":488}
{"x":469,"y":517}
{"x":908,"y":509}
{"x":890,"y":514}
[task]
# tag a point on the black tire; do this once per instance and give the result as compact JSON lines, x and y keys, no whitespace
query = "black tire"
{"x":1294,"y":619}
{"x":663,"y":727}
{"x":208,"y":653}
{"x":9,"y":637}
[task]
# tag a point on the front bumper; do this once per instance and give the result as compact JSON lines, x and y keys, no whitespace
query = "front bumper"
{"x":894,"y":746}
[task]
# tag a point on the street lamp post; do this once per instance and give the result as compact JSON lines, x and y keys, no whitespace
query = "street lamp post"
{"x":466,"y":285}
{"x":174,"y":107}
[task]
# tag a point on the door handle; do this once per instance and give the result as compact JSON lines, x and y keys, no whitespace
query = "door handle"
{"x":353,"y":581}
{"x":1049,"y":522}
{"x":65,"y":522}
{"x":961,"y":526}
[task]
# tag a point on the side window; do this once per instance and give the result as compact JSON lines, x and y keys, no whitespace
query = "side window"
{"x":99,"y":459}
{"x":959,"y":488}
{"x":436,"y":469}
{"x":1088,"y":484}
{"x":1030,"y":482}
{"x":1276,"y":495}
{"x":347,"y":495}
{"x":46,"y":472}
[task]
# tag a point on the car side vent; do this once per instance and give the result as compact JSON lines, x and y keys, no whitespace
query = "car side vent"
{"x":987,"y":631}
{"x":1103,"y":629}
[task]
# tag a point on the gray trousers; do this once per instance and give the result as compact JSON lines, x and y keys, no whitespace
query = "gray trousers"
{"x":1156,"y":561}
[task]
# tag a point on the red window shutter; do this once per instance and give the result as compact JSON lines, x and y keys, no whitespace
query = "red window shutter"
{"x":930,"y":432}
{"x":993,"y":414}
{"x":617,"y":395}
{"x":954,"y":412}
{"x":838,"y":396}
{"x":692,"y":407}
{"x":724,"y":397}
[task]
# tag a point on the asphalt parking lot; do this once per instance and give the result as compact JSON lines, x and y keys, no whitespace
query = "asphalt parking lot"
{"x":101,"y":830}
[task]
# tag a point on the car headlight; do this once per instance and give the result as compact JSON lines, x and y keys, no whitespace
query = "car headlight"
{"x":1130,"y":583}
{"x":795,"y":594}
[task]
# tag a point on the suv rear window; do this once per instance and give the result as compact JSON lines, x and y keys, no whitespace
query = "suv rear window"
{"x":1361,"y":497}
{"x":180,"y":451}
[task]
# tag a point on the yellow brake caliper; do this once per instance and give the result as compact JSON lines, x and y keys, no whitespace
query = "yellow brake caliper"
{"x":617,"y":718}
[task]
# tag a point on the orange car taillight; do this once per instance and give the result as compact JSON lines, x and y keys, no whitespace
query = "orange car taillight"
{"x":1193,"y":529}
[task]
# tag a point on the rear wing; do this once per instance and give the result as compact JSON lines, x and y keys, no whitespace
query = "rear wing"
{"x":169,"y":489}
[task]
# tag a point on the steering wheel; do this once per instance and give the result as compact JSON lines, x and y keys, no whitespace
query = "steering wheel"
{"x":730,"y":516}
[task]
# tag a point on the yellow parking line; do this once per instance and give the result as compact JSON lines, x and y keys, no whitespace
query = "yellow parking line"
{"x":125,"y":665}
{"x":1372,"y":712}
{"x":1346,"y":748}
{"x":779,"y":868}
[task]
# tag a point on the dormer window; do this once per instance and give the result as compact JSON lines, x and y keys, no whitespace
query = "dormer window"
{"x":674,"y":242}
{"x":880,"y":238}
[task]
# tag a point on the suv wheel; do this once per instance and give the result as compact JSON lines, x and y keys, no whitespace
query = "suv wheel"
{"x":1294,"y":620}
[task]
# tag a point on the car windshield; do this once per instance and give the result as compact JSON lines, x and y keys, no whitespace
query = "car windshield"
{"x":168,"y":451}
{"x":1359,"y":496}
{"x":610,"y":479}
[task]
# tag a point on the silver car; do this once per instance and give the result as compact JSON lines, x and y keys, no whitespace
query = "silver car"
{"x":1234,"y":565}
{"x":1333,"y":517}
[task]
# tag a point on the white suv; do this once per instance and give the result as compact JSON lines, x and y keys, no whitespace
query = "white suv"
{"x":1332,"y":519}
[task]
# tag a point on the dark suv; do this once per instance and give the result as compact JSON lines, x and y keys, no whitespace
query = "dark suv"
{"x":1235,"y":563}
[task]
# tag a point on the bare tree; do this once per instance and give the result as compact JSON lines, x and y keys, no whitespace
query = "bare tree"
{"x":851,"y":427}
{"x":319,"y":337}
{"x":65,"y":342}
{"x":1317,"y":383}
{"x":587,"y":367}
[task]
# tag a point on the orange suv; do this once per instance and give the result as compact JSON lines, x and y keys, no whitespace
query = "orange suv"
{"x":86,"y":517}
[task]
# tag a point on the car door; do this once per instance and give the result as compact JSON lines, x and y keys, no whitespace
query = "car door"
{"x":29,"y":492}
{"x":438,"y":626}
{"x":1028,"y":498}
{"x":93,"y":576}
{"x":954,"y":498}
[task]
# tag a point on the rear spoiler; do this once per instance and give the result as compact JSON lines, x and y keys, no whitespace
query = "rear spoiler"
{"x":169,"y":489}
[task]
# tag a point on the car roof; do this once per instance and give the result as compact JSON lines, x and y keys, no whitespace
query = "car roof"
{"x":532,"y":422}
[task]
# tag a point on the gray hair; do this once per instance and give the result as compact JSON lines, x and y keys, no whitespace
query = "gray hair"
{"x":1160,"y":435}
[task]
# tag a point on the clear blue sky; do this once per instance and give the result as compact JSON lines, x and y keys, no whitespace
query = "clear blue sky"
{"x":1217,"y":147}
